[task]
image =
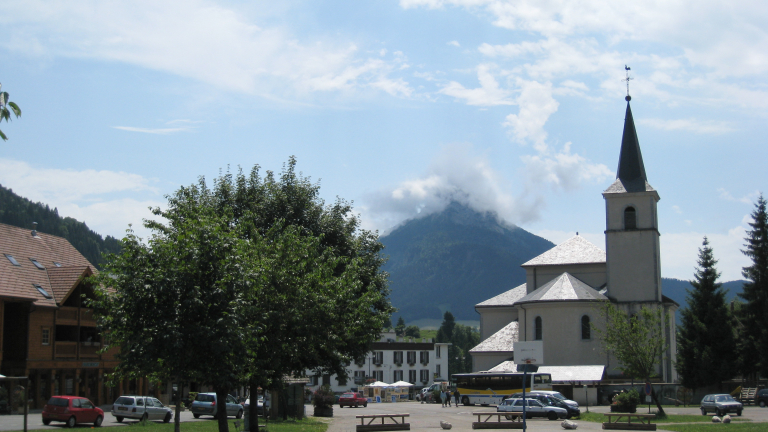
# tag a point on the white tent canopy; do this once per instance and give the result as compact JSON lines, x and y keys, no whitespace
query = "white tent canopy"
{"x":379,"y":384}
{"x":402,"y":384}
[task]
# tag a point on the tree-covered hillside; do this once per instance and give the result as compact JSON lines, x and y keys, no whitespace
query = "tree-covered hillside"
{"x":21,"y":212}
{"x":452,"y":260}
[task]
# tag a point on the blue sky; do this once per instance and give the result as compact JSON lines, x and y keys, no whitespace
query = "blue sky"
{"x":510,"y":106}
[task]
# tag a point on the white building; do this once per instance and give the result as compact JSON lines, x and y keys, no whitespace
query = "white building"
{"x":420,"y":362}
{"x":565,"y":286}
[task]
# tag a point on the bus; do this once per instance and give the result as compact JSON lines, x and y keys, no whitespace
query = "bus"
{"x":488,"y":388}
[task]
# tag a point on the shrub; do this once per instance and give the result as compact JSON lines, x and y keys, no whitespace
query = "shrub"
{"x":627,"y":401}
{"x":323,"y":397}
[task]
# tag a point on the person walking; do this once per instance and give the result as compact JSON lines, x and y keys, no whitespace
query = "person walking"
{"x":457,"y":395}
{"x":448,"y":397}
{"x":442,"y":397}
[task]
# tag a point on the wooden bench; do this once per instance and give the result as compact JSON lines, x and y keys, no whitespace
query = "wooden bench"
{"x":642,"y":421}
{"x":498,"y":423}
{"x":384,"y":425}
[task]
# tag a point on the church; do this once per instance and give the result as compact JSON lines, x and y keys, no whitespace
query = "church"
{"x":565,"y":286}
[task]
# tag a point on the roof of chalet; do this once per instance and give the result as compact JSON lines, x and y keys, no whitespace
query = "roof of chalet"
{"x":18,"y":281}
{"x":501,"y":341}
{"x":565,"y":287}
{"x":507,"y":298}
{"x":559,"y":373}
{"x":576,"y":250}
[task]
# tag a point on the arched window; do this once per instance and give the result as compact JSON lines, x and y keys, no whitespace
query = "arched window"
{"x":630,"y":218}
{"x":586,"y":328}
{"x":537,"y":328}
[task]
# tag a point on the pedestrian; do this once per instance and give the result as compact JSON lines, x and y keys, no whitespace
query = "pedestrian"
{"x":448,"y":396}
{"x":457,"y":395}
{"x":442,"y":397}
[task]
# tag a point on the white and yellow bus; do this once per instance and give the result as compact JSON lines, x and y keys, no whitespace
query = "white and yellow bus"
{"x":486,"y":388}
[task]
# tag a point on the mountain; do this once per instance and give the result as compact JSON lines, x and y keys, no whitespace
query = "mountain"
{"x":21,"y":212}
{"x":676,"y":290}
{"x":453,"y":260}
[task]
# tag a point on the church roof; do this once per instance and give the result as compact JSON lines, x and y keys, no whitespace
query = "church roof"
{"x":565,"y":287}
{"x":507,"y":298}
{"x":501,"y":341}
{"x":630,"y":177}
{"x":576,"y":250}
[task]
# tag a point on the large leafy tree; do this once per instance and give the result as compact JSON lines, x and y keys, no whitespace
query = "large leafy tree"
{"x":5,"y":112}
{"x":637,"y":341}
{"x":297,"y":284}
{"x":754,"y":313}
{"x":706,"y":346}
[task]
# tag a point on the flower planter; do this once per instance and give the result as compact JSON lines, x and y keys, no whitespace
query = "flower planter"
{"x":323,"y":412}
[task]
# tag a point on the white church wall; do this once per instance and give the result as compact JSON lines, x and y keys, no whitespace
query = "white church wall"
{"x":633,"y":266}
{"x":645,"y":209}
{"x":484,"y":361}
{"x":494,"y":319}
{"x":593,"y":275}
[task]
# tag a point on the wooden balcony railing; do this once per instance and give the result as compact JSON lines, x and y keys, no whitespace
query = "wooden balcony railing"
{"x":66,"y":349}
{"x":67,"y":315}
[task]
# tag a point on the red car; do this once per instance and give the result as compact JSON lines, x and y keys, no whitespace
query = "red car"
{"x":352,"y":400}
{"x":72,"y":410}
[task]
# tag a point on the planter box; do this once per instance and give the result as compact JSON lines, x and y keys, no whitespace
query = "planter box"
{"x":323,"y":412}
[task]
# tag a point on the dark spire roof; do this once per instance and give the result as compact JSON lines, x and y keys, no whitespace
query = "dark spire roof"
{"x":631,"y":165}
{"x":630,"y":176}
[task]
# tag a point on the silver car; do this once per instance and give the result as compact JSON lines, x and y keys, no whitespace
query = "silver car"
{"x":140,"y":408}
{"x":533,"y":408}
{"x":206,"y":404}
{"x":720,"y":404}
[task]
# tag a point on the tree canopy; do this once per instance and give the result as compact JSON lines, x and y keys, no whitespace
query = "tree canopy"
{"x":706,"y":344}
{"x":637,"y":341}
{"x":258,"y":273}
{"x":5,"y":113}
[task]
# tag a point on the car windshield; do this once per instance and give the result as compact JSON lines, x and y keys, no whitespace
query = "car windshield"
{"x":348,"y":395}
{"x":124,"y":401}
{"x":205,"y":398}
{"x":558,"y":396}
{"x":724,"y":398}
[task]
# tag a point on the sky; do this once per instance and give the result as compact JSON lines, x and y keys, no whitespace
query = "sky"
{"x":515,"y":107}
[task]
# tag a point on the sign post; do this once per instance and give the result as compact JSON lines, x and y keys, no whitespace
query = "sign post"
{"x":527,"y":353}
{"x":648,"y":390}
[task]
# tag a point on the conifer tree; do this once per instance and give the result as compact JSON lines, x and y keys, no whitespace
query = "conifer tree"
{"x":754,"y":317}
{"x":706,"y":346}
{"x":400,"y":327}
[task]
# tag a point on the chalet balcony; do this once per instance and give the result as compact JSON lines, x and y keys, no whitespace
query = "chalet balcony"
{"x":77,"y":350}
{"x":67,"y":316}
{"x":66,"y":349}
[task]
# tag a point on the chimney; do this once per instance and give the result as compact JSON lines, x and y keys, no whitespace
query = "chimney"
{"x":34,"y":229}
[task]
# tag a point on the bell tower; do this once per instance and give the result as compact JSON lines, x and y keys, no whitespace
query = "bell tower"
{"x":632,"y":226}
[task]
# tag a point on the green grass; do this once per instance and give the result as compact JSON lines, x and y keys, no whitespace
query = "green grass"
{"x":719,"y":427}
{"x":428,"y":333}
{"x":671,"y":418}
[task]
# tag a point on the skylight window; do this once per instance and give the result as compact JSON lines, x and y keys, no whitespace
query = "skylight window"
{"x":57,"y":264}
{"x":37,"y":264}
{"x":43,"y":291}
{"x":12,"y":260}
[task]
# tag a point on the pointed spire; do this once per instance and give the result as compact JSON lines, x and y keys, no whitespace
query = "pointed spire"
{"x":631,"y":168}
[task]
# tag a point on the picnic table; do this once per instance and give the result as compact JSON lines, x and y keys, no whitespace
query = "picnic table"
{"x":623,"y":421}
{"x":385,"y":425}
{"x":515,"y":423}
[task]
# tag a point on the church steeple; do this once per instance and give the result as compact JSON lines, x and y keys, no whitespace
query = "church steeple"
{"x":631,"y":168}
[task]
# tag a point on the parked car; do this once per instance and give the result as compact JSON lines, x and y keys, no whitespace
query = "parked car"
{"x":720,"y":404}
{"x":352,"y":400}
{"x":761,"y":398}
{"x":259,"y":405}
{"x":72,"y":410}
{"x":140,"y":408}
{"x":533,"y":408}
{"x":556,"y":395}
{"x":206,"y":404}
{"x":549,"y":400}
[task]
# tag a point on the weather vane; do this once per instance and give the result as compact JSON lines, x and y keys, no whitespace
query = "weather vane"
{"x":627,"y":68}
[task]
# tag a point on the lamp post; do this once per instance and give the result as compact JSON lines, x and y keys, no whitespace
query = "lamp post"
{"x":586,"y":396}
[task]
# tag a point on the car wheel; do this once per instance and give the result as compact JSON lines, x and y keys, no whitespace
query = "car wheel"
{"x":119,"y":419}
{"x":239,"y":414}
{"x":167,"y":418}
{"x":552,"y":415}
{"x":196,"y":415}
{"x":703,"y":411}
{"x":71,"y":422}
{"x":98,"y":421}
{"x":46,"y":422}
{"x":341,"y":406}
{"x":762,"y":404}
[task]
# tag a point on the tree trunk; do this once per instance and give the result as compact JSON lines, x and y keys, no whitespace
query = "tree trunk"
{"x":221,"y":409}
{"x":253,"y":413}
{"x":658,"y":403}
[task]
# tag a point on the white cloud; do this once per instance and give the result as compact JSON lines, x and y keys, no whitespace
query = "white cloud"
{"x":198,"y":39}
{"x":454,"y":43}
{"x":456,"y":174}
{"x":160,"y":131}
{"x":536,"y":105}
{"x":690,"y":125}
{"x":563,"y":170}
{"x":489,"y":93}
{"x":750,"y":198}
{"x":89,"y":195}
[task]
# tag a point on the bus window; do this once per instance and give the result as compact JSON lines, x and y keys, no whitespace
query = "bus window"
{"x":537,"y":379}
